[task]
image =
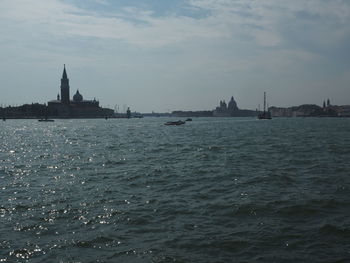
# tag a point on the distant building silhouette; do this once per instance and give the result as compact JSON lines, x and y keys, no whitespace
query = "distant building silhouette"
{"x":232,"y":105}
{"x":231,"y":110}
{"x":65,"y":87}
{"x":78,"y":107}
{"x":77,"y":97}
{"x":310,"y":110}
{"x":226,"y":111}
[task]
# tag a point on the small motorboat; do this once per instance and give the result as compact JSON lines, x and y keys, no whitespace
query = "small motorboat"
{"x":174,"y":123}
{"x":189,"y":119}
{"x":46,"y":120}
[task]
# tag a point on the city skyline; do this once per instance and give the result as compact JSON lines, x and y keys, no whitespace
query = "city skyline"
{"x":177,"y":55}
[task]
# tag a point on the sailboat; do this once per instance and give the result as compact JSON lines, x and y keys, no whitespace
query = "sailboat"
{"x":265,"y":115}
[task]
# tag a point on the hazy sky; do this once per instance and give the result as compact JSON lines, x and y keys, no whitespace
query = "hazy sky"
{"x":166,"y":55}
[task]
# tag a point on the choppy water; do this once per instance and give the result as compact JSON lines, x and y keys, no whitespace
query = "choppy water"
{"x":212,"y":190}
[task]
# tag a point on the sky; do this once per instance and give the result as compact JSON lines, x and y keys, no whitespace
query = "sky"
{"x":165,"y":55}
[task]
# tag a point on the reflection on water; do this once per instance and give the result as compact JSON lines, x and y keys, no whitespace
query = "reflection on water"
{"x":212,"y":190}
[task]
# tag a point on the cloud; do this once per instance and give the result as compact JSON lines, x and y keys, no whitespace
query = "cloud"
{"x":200,"y":43}
{"x":271,"y":21}
{"x":267,"y":22}
{"x":134,"y":26}
{"x":249,"y":28}
{"x":102,"y":2}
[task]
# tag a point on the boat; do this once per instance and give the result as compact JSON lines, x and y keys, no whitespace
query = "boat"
{"x":265,"y":115}
{"x":189,"y":119}
{"x":46,"y":120}
{"x":174,"y":123}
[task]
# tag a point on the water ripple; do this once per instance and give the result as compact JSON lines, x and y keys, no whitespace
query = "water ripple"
{"x":213,"y":190}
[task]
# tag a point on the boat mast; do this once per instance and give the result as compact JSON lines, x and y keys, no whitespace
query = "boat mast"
{"x":264,"y":102}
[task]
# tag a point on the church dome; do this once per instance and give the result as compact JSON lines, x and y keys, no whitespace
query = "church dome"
{"x":232,"y":105}
{"x":77,"y":97}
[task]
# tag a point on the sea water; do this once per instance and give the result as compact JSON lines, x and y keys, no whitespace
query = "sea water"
{"x":212,"y":190}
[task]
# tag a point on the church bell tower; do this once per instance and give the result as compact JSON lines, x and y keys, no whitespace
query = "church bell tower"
{"x":65,"y":87}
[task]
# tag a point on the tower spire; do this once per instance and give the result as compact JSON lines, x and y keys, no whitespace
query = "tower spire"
{"x":64,"y":75}
{"x":65,"y":87}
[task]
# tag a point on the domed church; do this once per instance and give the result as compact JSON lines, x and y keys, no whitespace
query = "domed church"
{"x":77,"y":97}
{"x":78,"y":107}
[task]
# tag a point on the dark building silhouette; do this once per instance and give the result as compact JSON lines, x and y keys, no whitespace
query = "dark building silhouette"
{"x":78,"y":107}
{"x":232,"y":105}
{"x":77,"y":97}
{"x":224,"y":110}
{"x":65,"y":87}
{"x":231,"y":110}
{"x":310,"y":110}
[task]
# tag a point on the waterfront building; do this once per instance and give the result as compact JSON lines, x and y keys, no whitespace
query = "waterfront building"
{"x":310,"y":110}
{"x":78,"y":107}
{"x":224,"y":110}
{"x":232,"y":105}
